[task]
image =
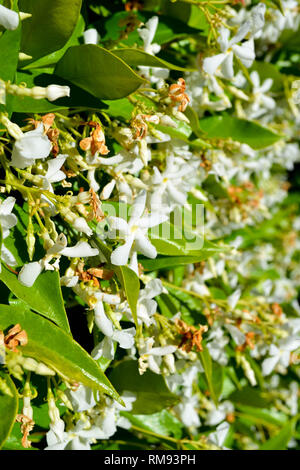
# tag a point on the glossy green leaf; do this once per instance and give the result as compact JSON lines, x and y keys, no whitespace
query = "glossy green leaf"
{"x":131,"y":285}
{"x":163,"y":423}
{"x":152,"y":393}
{"x":249,"y":396}
{"x":50,"y":27}
{"x":136,"y":57}
{"x":214,"y":374}
{"x":262,"y":416}
{"x":44,"y":296}
{"x":9,"y":56}
{"x":44,"y":77}
{"x":240,"y":130}
{"x":98,"y":71}
{"x":54,"y":57}
{"x":49,"y":344}
{"x":9,"y":53}
{"x":8,"y":406}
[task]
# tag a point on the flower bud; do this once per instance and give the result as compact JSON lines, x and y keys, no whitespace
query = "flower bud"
{"x":91,"y":36}
{"x":53,"y":92}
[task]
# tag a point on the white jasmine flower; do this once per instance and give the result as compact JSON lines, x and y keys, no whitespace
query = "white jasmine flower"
{"x":217,"y":345}
{"x":260,"y":103}
{"x":245,"y":53}
{"x":9,"y":19}
{"x":169,"y":187}
{"x":29,"y":147}
{"x":30,"y":272}
{"x":78,"y":437}
{"x":146,"y":305}
{"x":125,"y":338}
{"x":187,"y":410}
{"x":152,"y":357}
{"x":280,"y":354}
{"x":147,"y":34}
{"x":218,"y":414}
{"x":134,"y":233}
{"x":106,"y":348}
{"x":82,"y":399}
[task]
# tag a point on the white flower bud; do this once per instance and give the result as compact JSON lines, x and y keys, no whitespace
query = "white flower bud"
{"x":53,"y":92}
{"x":91,"y":36}
{"x":13,"y":129}
{"x":170,"y":363}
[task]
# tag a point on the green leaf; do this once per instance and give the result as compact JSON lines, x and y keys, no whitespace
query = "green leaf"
{"x":44,"y":77}
{"x":50,"y":27}
{"x":163,"y":423}
{"x":263,"y":416}
{"x":9,"y":56}
{"x":152,"y":393}
{"x":280,"y":440}
{"x":131,"y":285}
{"x":57,"y":349}
{"x":249,"y":396}
{"x":8,"y":406}
{"x":9,"y":53}
{"x":98,"y":71}
{"x":214,"y":374}
{"x":190,"y":14}
{"x":240,"y":130}
{"x":44,"y":296}
{"x":54,"y":57}
{"x":136,"y":57}
{"x":122,"y":108}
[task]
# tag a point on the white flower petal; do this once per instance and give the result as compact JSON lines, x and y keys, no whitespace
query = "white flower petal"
{"x":29,"y":273}
{"x":8,"y":18}
{"x":143,"y":245}
{"x":81,"y":249}
{"x":101,"y":320}
{"x":210,"y":64}
{"x":120,"y":255}
{"x":227,"y":66}
{"x":7,"y":205}
{"x":269,"y":364}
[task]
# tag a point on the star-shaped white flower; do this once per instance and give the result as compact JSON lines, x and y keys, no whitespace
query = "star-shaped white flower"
{"x":134,"y":233}
{"x":245,"y":52}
